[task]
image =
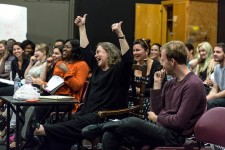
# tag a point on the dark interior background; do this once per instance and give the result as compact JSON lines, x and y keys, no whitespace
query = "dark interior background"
{"x":221,"y":22}
{"x":101,"y":15}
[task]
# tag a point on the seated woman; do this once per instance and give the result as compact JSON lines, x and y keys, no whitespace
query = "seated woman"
{"x":49,"y":68}
{"x":5,"y":62}
{"x":203,"y":65}
{"x":108,"y":89}
{"x":155,"y":52}
{"x":72,"y":69}
{"x":37,"y":61}
{"x":18,"y":66}
{"x":140,"y":52}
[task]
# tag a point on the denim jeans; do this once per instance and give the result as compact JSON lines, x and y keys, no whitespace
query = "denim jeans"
{"x":136,"y":132}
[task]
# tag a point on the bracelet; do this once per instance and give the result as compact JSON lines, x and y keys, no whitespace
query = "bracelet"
{"x":121,"y":37}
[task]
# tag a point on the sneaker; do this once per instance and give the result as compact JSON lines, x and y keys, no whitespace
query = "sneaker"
{"x":28,"y":128}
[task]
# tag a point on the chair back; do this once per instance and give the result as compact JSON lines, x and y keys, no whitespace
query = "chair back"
{"x":210,"y":127}
{"x":83,"y":94}
{"x":141,"y":84}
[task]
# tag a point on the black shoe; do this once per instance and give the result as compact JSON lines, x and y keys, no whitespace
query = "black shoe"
{"x":92,"y":131}
{"x":28,"y":128}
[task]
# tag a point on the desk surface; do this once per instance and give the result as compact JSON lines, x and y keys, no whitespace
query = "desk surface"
{"x":9,"y":99}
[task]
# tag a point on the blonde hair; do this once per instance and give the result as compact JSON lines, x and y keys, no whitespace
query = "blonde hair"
{"x":43,"y":48}
{"x":208,"y":48}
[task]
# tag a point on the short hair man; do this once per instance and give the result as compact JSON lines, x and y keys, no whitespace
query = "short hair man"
{"x":183,"y":102}
{"x":216,"y":97}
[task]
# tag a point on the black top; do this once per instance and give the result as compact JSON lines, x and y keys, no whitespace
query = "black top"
{"x":15,"y":69}
{"x":107,"y":89}
{"x":156,"y":66}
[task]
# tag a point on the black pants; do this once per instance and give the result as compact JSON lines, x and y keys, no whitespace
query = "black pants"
{"x":6,"y":90}
{"x":136,"y":132}
{"x":218,"y":102}
{"x":64,"y":134}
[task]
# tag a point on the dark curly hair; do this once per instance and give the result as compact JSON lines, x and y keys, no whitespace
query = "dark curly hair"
{"x":76,"y":51}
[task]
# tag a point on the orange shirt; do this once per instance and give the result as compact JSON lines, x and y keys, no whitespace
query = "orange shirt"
{"x":74,"y":79}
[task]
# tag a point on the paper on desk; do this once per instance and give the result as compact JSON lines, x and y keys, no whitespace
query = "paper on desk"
{"x":55,"y":97}
{"x":9,"y":82}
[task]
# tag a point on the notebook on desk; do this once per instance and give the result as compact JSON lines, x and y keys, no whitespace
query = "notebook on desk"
{"x":54,"y":84}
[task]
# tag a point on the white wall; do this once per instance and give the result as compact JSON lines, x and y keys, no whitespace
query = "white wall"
{"x":47,"y":20}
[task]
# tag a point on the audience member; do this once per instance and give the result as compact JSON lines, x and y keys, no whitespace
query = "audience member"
{"x":10,"y":42}
{"x":37,"y":61}
{"x":59,"y":42}
{"x":170,"y":122}
{"x":5,"y":62}
{"x":155,"y":52}
{"x":203,"y":65}
{"x":190,"y":52}
{"x":28,"y":46}
{"x":107,"y":87}
{"x":216,"y":97}
{"x":140,"y":53}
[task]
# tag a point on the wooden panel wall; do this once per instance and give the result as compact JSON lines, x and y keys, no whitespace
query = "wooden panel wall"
{"x":203,"y":20}
{"x":148,"y":22}
{"x":179,"y":21}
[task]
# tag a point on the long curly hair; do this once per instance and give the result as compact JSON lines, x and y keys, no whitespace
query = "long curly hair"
{"x":76,"y":51}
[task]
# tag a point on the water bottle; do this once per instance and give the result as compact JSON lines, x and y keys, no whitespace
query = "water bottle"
{"x":17,"y":83}
{"x":28,"y":80}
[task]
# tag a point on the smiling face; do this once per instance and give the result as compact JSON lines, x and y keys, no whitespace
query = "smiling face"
{"x":155,"y":52}
{"x":139,"y":53}
{"x":202,"y":53}
{"x":67,"y":51}
{"x":38,"y":54}
{"x":57,"y":55}
{"x":2,"y":48}
{"x":28,"y":50}
{"x":17,"y":51}
{"x":102,"y":57}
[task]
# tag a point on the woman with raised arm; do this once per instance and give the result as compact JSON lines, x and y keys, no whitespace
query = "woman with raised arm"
{"x":108,"y":89}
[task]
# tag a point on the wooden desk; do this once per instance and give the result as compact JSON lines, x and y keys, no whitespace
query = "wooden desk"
{"x":43,"y":102}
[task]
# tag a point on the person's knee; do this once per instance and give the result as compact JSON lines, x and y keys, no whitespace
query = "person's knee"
{"x":131,"y":122}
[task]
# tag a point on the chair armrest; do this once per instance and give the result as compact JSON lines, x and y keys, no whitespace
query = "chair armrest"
{"x":106,"y":113}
